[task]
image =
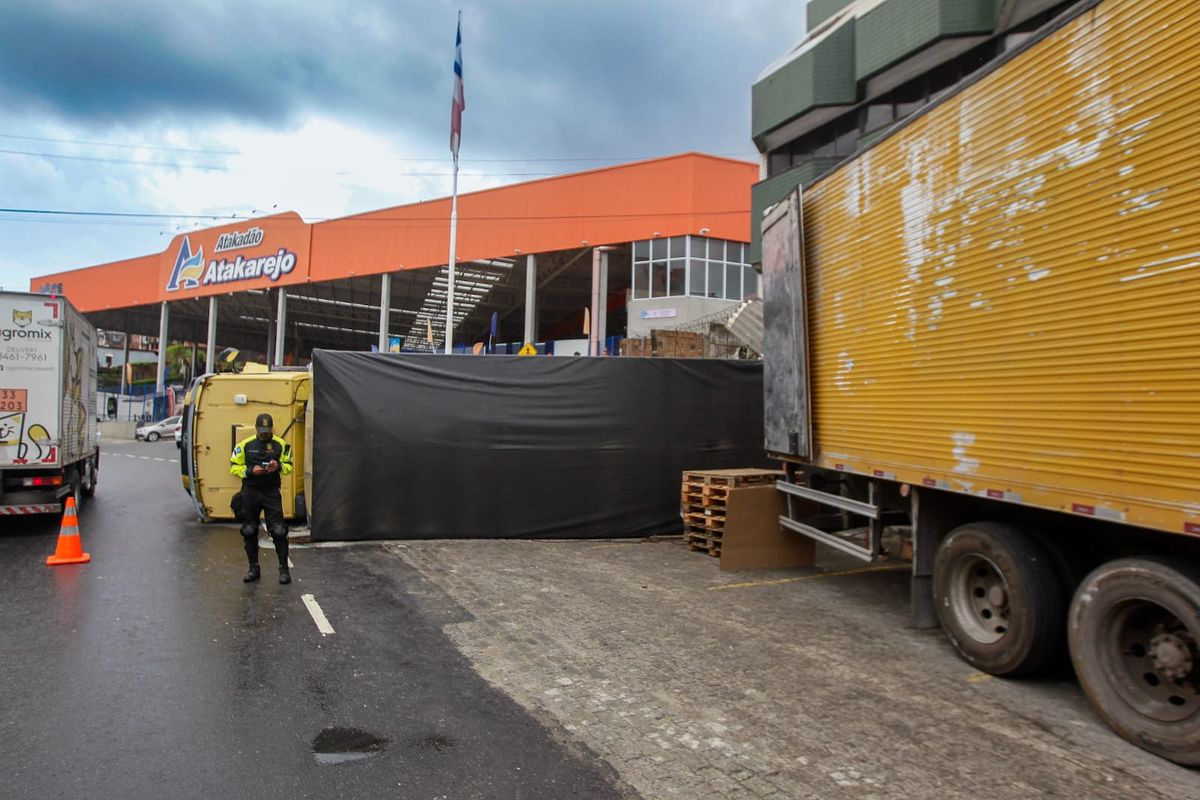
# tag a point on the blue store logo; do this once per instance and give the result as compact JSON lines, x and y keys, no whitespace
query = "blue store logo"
{"x":188,"y":267}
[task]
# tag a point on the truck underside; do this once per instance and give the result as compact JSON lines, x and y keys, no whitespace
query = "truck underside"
{"x":1018,"y":591}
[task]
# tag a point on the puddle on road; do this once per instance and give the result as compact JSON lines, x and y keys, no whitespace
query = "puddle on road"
{"x":342,"y":745}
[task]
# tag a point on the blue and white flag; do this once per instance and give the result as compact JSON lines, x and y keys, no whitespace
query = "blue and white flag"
{"x":458,"y":103}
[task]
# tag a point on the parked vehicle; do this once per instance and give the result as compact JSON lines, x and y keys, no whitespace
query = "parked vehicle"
{"x":48,"y":434}
{"x":179,"y":433}
{"x":154,"y":431}
{"x":983,"y":327}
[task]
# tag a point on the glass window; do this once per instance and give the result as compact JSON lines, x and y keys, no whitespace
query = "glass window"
{"x":733,"y":282}
{"x":659,"y":248}
{"x":716,"y":280}
{"x":641,"y":280}
{"x":658,"y":279}
{"x":741,"y":252}
{"x":716,"y":250}
{"x":780,"y":161}
{"x":696,"y":274}
{"x":825,"y":150}
{"x":678,"y":285}
{"x":699,"y":246}
{"x":641,"y":251}
{"x":749,"y":281}
{"x":878,"y":115}
{"x":844,"y":146}
{"x":677,"y":245}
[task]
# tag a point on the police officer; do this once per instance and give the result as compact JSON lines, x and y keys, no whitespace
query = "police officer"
{"x":259,"y":460}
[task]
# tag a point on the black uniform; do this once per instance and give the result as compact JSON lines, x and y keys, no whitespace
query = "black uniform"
{"x":260,"y":494}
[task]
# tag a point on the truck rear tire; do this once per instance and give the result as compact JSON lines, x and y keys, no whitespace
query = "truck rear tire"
{"x":88,"y":488}
{"x":1134,"y":631}
{"x":74,"y":478}
{"x":999,"y":598}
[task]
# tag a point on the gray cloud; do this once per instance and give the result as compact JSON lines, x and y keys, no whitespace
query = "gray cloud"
{"x":545,"y":79}
{"x":595,"y":79}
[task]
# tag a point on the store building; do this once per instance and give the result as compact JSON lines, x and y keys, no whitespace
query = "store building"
{"x":664,"y":239}
{"x":864,"y":66}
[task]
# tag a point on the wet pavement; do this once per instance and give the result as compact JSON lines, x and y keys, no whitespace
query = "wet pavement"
{"x":500,"y":669}
{"x":154,"y":671}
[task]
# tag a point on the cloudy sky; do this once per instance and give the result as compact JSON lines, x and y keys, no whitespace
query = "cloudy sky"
{"x":138,"y":110}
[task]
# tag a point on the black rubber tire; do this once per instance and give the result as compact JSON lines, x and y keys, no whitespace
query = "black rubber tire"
{"x":86,"y":489}
{"x":1037,"y":601}
{"x":1092,"y":623}
{"x":75,"y":481}
{"x":152,"y":436}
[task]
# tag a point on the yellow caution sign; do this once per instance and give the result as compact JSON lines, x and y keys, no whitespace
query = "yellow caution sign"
{"x":527,"y":350}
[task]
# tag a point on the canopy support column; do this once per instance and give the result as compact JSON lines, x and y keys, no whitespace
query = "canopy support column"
{"x":210,"y":354}
{"x":531,"y":299}
{"x":601,"y":317}
{"x":385,"y":309}
{"x":281,"y":328}
{"x":163,"y":315}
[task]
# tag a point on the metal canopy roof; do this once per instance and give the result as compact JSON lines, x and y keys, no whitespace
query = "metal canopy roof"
{"x":344,"y":314}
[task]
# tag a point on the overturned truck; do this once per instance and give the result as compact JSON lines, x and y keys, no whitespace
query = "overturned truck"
{"x":452,"y":447}
{"x":984,"y":327}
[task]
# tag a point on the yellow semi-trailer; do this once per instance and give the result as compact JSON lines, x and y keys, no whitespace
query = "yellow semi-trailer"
{"x":985,"y":326}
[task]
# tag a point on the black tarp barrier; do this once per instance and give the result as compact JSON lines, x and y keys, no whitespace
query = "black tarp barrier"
{"x":454,"y":447}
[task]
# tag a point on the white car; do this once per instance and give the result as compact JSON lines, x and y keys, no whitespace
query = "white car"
{"x":153,"y":431}
{"x":179,"y":434}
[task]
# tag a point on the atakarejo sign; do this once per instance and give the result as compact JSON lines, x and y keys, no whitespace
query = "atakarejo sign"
{"x":658,"y":313}
{"x":269,"y":251}
{"x":190,"y":271}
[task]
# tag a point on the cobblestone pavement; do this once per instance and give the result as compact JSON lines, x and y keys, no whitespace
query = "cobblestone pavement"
{"x":694,"y":683}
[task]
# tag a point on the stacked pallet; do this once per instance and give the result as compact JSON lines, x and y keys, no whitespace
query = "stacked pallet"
{"x":704,"y":499}
{"x":665,"y":344}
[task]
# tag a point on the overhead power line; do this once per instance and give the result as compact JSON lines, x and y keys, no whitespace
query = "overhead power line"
{"x":355,"y":218}
{"x":124,"y":145}
{"x":436,"y":159}
{"x":222,"y":168}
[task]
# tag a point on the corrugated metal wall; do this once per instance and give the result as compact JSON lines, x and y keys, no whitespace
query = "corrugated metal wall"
{"x":1006,"y":293}
{"x":77,"y":434}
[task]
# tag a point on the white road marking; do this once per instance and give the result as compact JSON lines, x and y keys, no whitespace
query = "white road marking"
{"x":317,"y":614}
{"x":160,"y":459}
{"x":290,"y":564}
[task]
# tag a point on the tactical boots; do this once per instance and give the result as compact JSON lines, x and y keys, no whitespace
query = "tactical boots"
{"x":251,"y":545}
{"x":281,"y":550}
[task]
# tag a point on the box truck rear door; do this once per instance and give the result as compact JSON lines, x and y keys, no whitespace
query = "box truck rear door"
{"x":785,"y":330}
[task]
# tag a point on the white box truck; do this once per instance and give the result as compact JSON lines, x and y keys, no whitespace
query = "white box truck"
{"x":48,"y":444}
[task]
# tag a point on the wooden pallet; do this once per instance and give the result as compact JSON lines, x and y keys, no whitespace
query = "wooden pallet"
{"x":727,"y":478}
{"x":703,"y":499}
{"x":703,"y":540}
{"x":700,"y":519}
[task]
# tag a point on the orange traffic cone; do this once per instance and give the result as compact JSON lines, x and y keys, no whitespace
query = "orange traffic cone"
{"x":70,"y":548}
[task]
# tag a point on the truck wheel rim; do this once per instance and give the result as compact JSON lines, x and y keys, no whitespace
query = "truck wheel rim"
{"x":1155,"y":659}
{"x":979,"y":598}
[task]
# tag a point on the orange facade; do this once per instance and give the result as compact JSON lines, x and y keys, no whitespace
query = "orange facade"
{"x":662,"y":197}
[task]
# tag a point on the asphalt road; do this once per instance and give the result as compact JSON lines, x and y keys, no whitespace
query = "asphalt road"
{"x":154,"y":671}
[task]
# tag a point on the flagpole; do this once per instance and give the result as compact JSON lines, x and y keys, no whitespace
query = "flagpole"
{"x":453,"y":244}
{"x":457,"y":104}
